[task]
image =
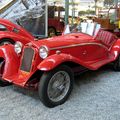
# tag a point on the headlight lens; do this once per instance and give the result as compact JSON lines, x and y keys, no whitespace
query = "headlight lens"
{"x":18,"y":47}
{"x":43,"y":52}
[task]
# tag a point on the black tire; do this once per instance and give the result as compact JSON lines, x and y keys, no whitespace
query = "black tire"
{"x":116,"y":64}
{"x":44,"y":82}
{"x":51,"y":32}
{"x":6,"y":41}
{"x":2,"y":82}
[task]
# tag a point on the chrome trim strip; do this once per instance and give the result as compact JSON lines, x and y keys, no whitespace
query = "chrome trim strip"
{"x":76,"y":45}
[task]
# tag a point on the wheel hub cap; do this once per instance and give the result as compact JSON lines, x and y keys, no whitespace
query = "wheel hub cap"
{"x":58,"y":86}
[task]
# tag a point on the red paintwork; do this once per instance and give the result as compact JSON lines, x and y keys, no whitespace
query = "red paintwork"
{"x":22,"y":36}
{"x":92,"y":53}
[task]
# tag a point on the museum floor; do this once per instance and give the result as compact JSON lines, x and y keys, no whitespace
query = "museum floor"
{"x":96,"y":96}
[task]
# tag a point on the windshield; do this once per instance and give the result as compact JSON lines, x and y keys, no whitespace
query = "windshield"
{"x":83,"y":27}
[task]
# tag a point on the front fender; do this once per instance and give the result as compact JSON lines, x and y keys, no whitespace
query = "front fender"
{"x":12,"y":60}
{"x":54,"y":60}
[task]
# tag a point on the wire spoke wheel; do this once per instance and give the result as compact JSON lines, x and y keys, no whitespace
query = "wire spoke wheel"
{"x":55,"y":86}
{"x":58,"y":86}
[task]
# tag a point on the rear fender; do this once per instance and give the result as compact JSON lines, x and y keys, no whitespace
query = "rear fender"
{"x":54,"y":60}
{"x":115,"y":49}
{"x":13,"y":36}
{"x":12,"y":60}
{"x":13,"y":27}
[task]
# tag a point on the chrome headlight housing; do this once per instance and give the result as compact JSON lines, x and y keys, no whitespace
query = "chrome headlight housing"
{"x":18,"y":47}
{"x":43,"y":52}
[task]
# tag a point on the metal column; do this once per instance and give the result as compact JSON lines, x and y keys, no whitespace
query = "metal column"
{"x":72,"y":12}
{"x":66,"y":11}
{"x":116,"y":6}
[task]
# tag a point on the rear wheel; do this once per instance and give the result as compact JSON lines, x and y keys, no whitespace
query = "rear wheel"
{"x":117,"y":64}
{"x":6,"y":41}
{"x":55,"y":86}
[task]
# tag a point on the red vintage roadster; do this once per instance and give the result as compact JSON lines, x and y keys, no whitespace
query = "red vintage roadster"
{"x":10,"y":33}
{"x":49,"y":64}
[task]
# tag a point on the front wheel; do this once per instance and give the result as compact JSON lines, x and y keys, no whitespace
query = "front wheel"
{"x":55,"y":86}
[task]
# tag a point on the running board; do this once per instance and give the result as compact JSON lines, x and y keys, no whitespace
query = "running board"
{"x":102,"y":62}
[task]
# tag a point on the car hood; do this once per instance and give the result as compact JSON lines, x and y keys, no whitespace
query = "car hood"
{"x":64,"y":40}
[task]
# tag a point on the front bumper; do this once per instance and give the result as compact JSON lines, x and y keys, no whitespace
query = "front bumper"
{"x":19,"y":79}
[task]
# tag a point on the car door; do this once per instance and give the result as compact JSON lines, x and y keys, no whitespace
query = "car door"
{"x":92,"y":52}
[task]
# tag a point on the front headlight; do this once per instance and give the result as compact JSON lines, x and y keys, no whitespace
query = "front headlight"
{"x":43,"y":52}
{"x":18,"y":47}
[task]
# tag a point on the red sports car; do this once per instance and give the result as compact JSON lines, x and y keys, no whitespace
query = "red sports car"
{"x":49,"y":65}
{"x":10,"y":33}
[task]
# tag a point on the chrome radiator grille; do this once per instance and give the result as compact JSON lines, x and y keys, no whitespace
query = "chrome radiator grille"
{"x":27,"y":58}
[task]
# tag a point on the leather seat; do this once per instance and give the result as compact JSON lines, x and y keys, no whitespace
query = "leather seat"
{"x":106,"y":37}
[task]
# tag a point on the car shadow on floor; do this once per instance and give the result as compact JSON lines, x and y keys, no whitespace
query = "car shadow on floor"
{"x":31,"y":93}
{"x":88,"y":77}
{"x":91,"y":76}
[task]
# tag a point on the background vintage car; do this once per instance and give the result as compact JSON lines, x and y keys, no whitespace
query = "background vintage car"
{"x":49,"y":65}
{"x":10,"y":33}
